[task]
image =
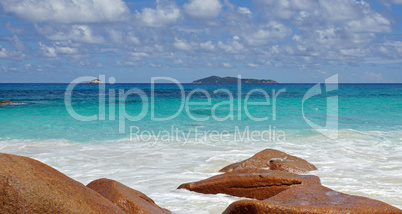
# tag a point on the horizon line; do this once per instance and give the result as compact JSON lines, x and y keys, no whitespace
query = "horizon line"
{"x":198,"y":83}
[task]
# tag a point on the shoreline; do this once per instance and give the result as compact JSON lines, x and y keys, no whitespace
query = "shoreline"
{"x":362,"y":204}
{"x":107,"y":160}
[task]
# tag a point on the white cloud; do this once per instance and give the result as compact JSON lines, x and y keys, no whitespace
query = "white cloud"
{"x":373,"y":22}
{"x":47,"y":51}
{"x":78,"y":33}
{"x":84,"y":63}
{"x":179,"y":61}
{"x":68,"y":11}
{"x":244,"y":11}
{"x":354,"y":52}
{"x":349,"y":16}
{"x":391,"y":49}
{"x":156,"y":65}
{"x":395,"y":44}
{"x":282,"y":33}
{"x":131,"y":63}
{"x":272,"y":32}
{"x":375,"y":77}
{"x":10,"y":54}
{"x":17,"y":43}
{"x":139,"y":55}
{"x":207,"y":46}
{"x":3,"y":52}
{"x":132,"y":38}
{"x":203,"y":9}
{"x":252,"y":65}
{"x":329,"y":36}
{"x":12,"y":29}
{"x":327,"y":31}
{"x":285,"y":9}
{"x":227,"y":65}
{"x":66,"y":50}
{"x":115,"y":35}
{"x":55,"y":49}
{"x":338,"y":10}
{"x":165,"y":13}
{"x":66,"y":47}
{"x":121,"y":36}
{"x":232,"y":46}
{"x":182,"y":45}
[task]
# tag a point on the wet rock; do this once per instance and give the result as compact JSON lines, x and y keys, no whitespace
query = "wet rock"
{"x":29,"y":186}
{"x":95,"y":81}
{"x":274,"y":160}
{"x":311,"y":199}
{"x":5,"y":102}
{"x":255,"y":183}
{"x":129,"y":200}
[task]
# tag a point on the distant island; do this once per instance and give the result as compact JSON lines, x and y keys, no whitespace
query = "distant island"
{"x":232,"y":80}
{"x":97,"y":81}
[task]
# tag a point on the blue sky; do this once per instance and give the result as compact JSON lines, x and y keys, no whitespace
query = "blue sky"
{"x":285,"y":40}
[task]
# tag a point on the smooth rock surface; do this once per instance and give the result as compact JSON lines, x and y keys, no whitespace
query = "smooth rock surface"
{"x":311,"y":199}
{"x":274,"y":160}
{"x":254,"y":183}
{"x":129,"y":200}
{"x":29,"y":186}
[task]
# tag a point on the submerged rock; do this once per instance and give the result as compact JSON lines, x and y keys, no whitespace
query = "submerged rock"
{"x":29,"y":186}
{"x":274,"y":160}
{"x":311,"y":199}
{"x":251,"y":183}
{"x":129,"y":200}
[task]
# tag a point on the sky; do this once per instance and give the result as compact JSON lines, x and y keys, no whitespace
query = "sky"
{"x":290,"y":41}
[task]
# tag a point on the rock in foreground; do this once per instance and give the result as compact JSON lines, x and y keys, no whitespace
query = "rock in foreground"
{"x":274,"y":160}
{"x":129,"y":200}
{"x":29,"y":186}
{"x":310,"y":199}
{"x":258,"y":184}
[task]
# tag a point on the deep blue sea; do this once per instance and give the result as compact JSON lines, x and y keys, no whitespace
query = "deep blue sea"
{"x":155,"y":137}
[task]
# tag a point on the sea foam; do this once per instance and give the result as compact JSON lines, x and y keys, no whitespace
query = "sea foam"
{"x":364,"y":163}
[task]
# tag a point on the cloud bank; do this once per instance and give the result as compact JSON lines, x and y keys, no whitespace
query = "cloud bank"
{"x":283,"y":34}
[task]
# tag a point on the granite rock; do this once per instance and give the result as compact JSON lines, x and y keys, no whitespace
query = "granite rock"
{"x":29,"y":186}
{"x":251,"y":183}
{"x":274,"y":160}
{"x":129,"y":200}
{"x":311,"y":199}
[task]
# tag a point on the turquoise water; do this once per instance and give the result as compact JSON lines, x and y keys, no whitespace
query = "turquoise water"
{"x":365,"y":157}
{"x":43,"y":113}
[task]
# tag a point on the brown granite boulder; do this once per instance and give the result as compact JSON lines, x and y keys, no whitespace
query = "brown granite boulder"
{"x":5,"y":102}
{"x":311,"y":199}
{"x":274,"y":160}
{"x":29,"y":186}
{"x":129,"y":200}
{"x":256,"y":183}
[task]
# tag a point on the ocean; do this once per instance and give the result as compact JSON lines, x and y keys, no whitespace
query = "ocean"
{"x":154,"y":137}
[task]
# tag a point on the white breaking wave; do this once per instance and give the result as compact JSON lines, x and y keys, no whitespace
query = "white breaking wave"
{"x":365,"y":163}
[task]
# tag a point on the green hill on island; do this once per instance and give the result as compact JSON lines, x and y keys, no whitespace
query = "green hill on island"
{"x":232,"y":80}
